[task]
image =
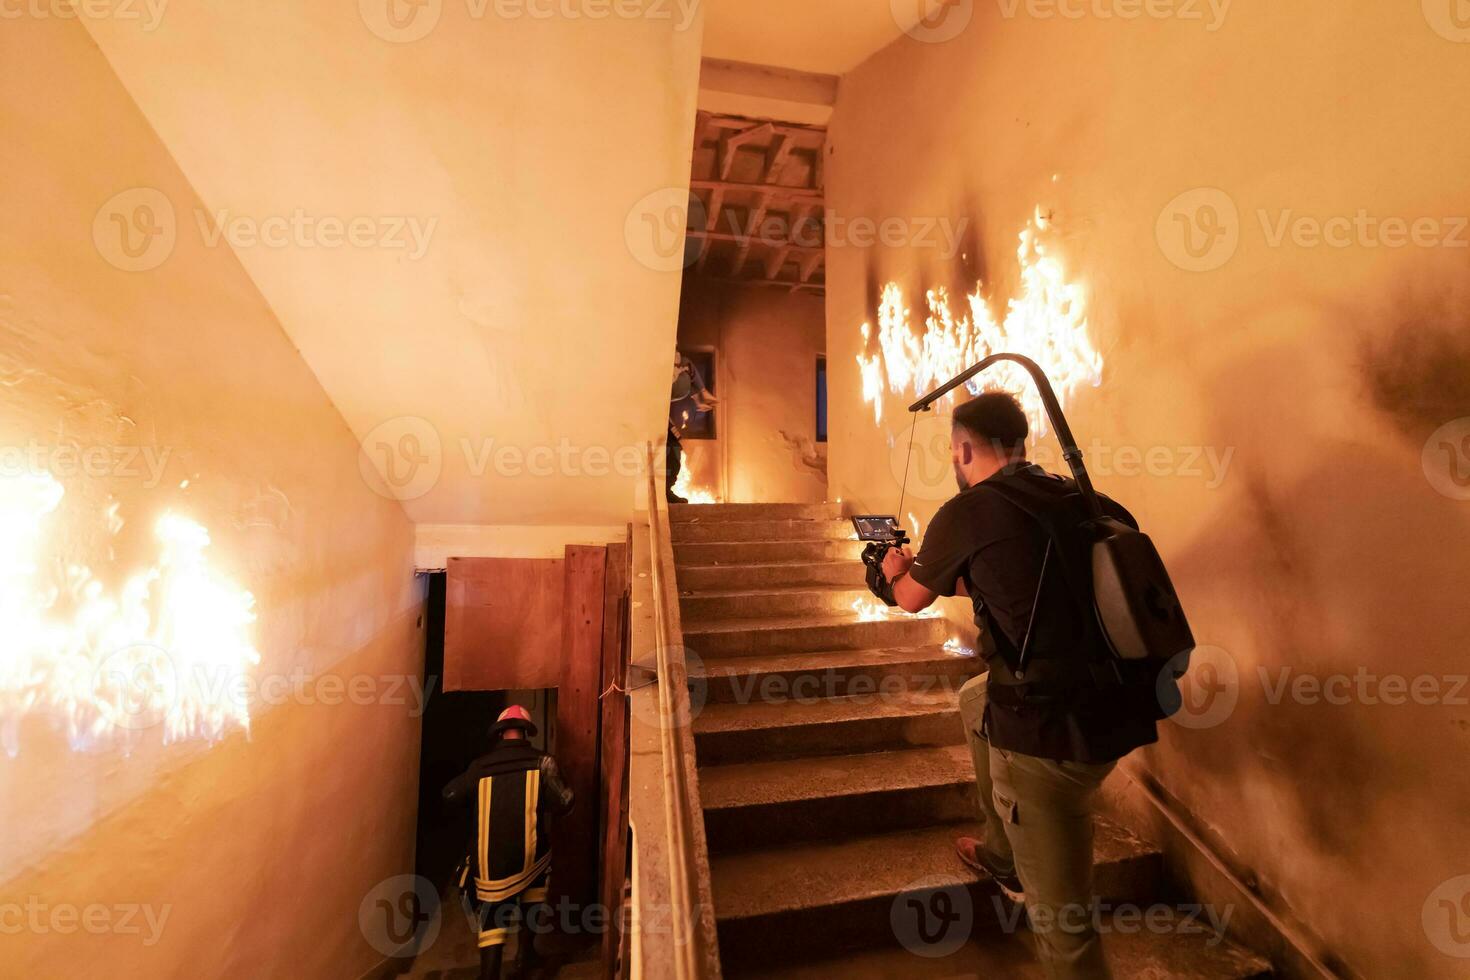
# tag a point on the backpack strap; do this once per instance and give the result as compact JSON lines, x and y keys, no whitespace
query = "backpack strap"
{"x":1062,"y":525}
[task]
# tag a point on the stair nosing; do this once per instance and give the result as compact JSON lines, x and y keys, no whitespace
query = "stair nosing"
{"x":909,"y":704}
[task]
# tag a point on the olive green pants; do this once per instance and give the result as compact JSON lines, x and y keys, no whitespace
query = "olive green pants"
{"x":1038,"y":818}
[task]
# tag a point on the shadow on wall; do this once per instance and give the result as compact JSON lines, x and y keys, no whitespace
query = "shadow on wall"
{"x":1334,"y":691}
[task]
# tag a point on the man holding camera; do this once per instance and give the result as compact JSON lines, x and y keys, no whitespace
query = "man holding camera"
{"x":1049,"y":721}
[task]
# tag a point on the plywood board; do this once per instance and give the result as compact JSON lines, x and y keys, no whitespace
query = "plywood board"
{"x":503,"y":623}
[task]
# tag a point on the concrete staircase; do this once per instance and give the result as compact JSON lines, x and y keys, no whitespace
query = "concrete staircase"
{"x":834,"y":774}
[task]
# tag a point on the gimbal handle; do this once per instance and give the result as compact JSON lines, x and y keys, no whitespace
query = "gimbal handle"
{"x":1070,"y":451}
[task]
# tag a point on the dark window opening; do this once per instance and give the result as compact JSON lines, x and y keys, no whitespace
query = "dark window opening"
{"x":822,"y":399}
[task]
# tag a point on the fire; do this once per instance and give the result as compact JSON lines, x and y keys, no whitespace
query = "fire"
{"x":953,"y":645}
{"x":169,"y":649}
{"x":871,"y":611}
{"x":1046,"y":321}
{"x":684,"y":487}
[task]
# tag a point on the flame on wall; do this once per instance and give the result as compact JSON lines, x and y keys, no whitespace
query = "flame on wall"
{"x":1046,"y":321}
{"x":168,"y":649}
{"x":684,"y":485}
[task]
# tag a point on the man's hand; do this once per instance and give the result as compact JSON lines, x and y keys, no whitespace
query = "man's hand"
{"x":897,"y":563}
{"x":910,"y":595}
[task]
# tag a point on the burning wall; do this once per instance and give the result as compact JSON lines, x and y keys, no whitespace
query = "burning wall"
{"x":1280,"y":400}
{"x":181,"y":520}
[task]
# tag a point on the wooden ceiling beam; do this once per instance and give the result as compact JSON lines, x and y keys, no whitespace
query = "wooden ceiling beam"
{"x":787,"y":284}
{"x":724,"y":236}
{"x":779,"y":191}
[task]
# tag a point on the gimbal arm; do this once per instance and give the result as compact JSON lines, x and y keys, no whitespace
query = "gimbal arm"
{"x":1070,"y":451}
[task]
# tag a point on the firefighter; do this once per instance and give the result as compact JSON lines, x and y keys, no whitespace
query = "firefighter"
{"x":517,"y":792}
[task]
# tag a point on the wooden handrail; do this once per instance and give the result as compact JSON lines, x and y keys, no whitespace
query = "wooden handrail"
{"x":673,"y":928}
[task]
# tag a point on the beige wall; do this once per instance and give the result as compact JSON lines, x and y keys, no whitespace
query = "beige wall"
{"x":1326,"y":548}
{"x":254,"y":854}
{"x":497,"y":365}
{"x":768,"y":341}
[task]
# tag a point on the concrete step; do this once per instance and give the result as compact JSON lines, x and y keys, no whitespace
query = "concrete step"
{"x":828,"y":797}
{"x":764,"y":552}
{"x":696,"y":578}
{"x":750,"y":637}
{"x":680,"y":513}
{"x":784,"y":904}
{"x":696,"y":531}
{"x":769,"y":603}
{"x":834,"y":673}
{"x":996,"y":954}
{"x":765,"y":731}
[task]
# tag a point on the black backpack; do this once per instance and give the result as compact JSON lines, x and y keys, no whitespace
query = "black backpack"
{"x":1136,"y":632}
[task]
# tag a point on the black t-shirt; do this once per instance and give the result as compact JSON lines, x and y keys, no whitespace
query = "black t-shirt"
{"x":998,"y":551}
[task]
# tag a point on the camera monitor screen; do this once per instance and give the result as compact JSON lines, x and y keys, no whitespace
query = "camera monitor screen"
{"x":873,"y":527}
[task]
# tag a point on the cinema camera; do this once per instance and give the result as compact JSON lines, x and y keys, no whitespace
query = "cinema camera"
{"x":881,"y":533}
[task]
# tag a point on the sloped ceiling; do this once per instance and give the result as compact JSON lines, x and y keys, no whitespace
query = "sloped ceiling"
{"x":496,"y":300}
{"x":827,"y":36}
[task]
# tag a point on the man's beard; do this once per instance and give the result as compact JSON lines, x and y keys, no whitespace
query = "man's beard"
{"x":959,"y":477}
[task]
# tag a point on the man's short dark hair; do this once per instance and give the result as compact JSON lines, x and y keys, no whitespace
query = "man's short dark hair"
{"x":996,"y":419}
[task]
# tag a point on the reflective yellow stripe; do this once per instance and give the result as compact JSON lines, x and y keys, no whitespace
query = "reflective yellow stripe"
{"x":533,"y":792}
{"x":501,"y":889}
{"x":483,"y":837}
{"x":534,"y":895}
{"x":494,"y":937}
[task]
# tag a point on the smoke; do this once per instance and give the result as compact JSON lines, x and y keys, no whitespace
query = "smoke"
{"x":1415,"y":359}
